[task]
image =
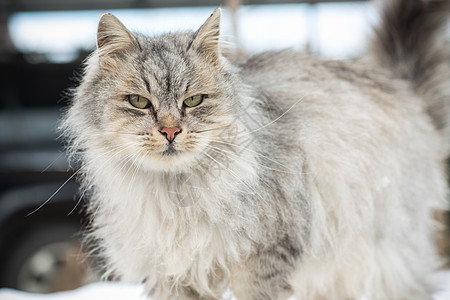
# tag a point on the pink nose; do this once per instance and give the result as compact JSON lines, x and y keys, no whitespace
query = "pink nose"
{"x":170,"y":133}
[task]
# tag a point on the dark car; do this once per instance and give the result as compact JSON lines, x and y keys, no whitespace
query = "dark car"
{"x":39,"y":206}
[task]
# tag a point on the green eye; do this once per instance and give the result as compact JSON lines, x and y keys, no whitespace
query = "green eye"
{"x":138,"y":101}
{"x":194,"y":100}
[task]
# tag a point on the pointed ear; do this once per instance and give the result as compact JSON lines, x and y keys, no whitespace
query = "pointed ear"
{"x":112,"y":36}
{"x":206,"y":38}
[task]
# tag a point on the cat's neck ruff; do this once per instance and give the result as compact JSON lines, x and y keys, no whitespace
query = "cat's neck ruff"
{"x":176,"y":216}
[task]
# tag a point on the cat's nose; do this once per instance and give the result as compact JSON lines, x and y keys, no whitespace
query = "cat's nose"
{"x":170,"y":133}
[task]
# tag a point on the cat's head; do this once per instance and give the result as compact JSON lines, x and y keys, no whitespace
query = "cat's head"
{"x":158,"y":100}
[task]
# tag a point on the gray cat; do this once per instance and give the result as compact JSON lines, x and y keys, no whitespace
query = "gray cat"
{"x":282,"y":175}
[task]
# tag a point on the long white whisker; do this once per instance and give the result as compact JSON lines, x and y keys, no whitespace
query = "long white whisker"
{"x":273,"y":121}
{"x":211,"y":129}
{"x":78,"y":202}
{"x":235,"y":176}
{"x":51,"y":164}
{"x":124,"y":147}
{"x":53,"y":195}
{"x":73,"y":175}
{"x":245,"y":148}
{"x":136,"y":165}
{"x":265,"y":183}
{"x":124,"y":163}
{"x":219,"y":150}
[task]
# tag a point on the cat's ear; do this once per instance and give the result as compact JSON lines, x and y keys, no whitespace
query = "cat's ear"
{"x":112,"y":36}
{"x":206,"y":38}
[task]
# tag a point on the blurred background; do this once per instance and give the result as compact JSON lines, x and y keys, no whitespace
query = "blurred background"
{"x":42,"y":46}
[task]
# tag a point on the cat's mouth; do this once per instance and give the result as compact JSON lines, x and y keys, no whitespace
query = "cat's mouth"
{"x":170,"y":151}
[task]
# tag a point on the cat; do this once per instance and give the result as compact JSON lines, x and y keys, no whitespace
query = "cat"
{"x":279,"y":175}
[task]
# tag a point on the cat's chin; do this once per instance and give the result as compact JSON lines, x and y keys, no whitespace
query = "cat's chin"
{"x":169,"y":160}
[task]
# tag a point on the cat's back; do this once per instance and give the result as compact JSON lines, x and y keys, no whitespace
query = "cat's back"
{"x":356,"y":125}
{"x":287,"y":73}
{"x":339,"y":99}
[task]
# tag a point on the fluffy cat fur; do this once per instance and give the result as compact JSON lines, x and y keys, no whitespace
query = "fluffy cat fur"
{"x":295,"y":175}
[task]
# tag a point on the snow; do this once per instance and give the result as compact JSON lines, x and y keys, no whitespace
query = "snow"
{"x":99,"y":290}
{"x":120,"y":291}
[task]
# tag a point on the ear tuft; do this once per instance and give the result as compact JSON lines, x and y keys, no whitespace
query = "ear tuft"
{"x":207,"y":36}
{"x":112,"y":35}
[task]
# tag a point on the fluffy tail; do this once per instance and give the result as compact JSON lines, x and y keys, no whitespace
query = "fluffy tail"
{"x":411,"y":41}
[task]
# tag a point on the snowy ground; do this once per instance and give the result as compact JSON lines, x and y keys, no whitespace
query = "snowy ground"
{"x":120,"y":291}
{"x":100,"y":290}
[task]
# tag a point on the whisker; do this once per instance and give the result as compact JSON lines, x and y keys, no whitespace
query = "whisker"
{"x":136,"y":165}
{"x":76,"y":205}
{"x":265,"y":183}
{"x":245,"y":148}
{"x":235,"y":176}
{"x":53,"y":195}
{"x":124,"y":163}
{"x":133,"y":167}
{"x":211,"y":129}
{"x":117,"y":132}
{"x":219,"y":150}
{"x":51,"y":164}
{"x":123,"y":149}
{"x":273,"y":121}
{"x":119,"y":148}
{"x":73,"y":175}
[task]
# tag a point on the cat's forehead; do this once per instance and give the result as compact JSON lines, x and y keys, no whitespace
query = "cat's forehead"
{"x":164,"y":61}
{"x":167,"y":51}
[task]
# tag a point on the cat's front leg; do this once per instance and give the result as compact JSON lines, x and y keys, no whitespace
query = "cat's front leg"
{"x":163,"y":293}
{"x":167,"y":289}
{"x":264,"y":276}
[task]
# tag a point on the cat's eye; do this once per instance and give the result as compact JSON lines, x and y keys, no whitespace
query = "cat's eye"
{"x":139,"y":101}
{"x":194,"y":100}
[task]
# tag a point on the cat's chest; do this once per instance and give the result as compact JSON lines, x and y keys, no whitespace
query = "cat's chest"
{"x":170,"y":206}
{"x":172,"y":221}
{"x":184,"y":220}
